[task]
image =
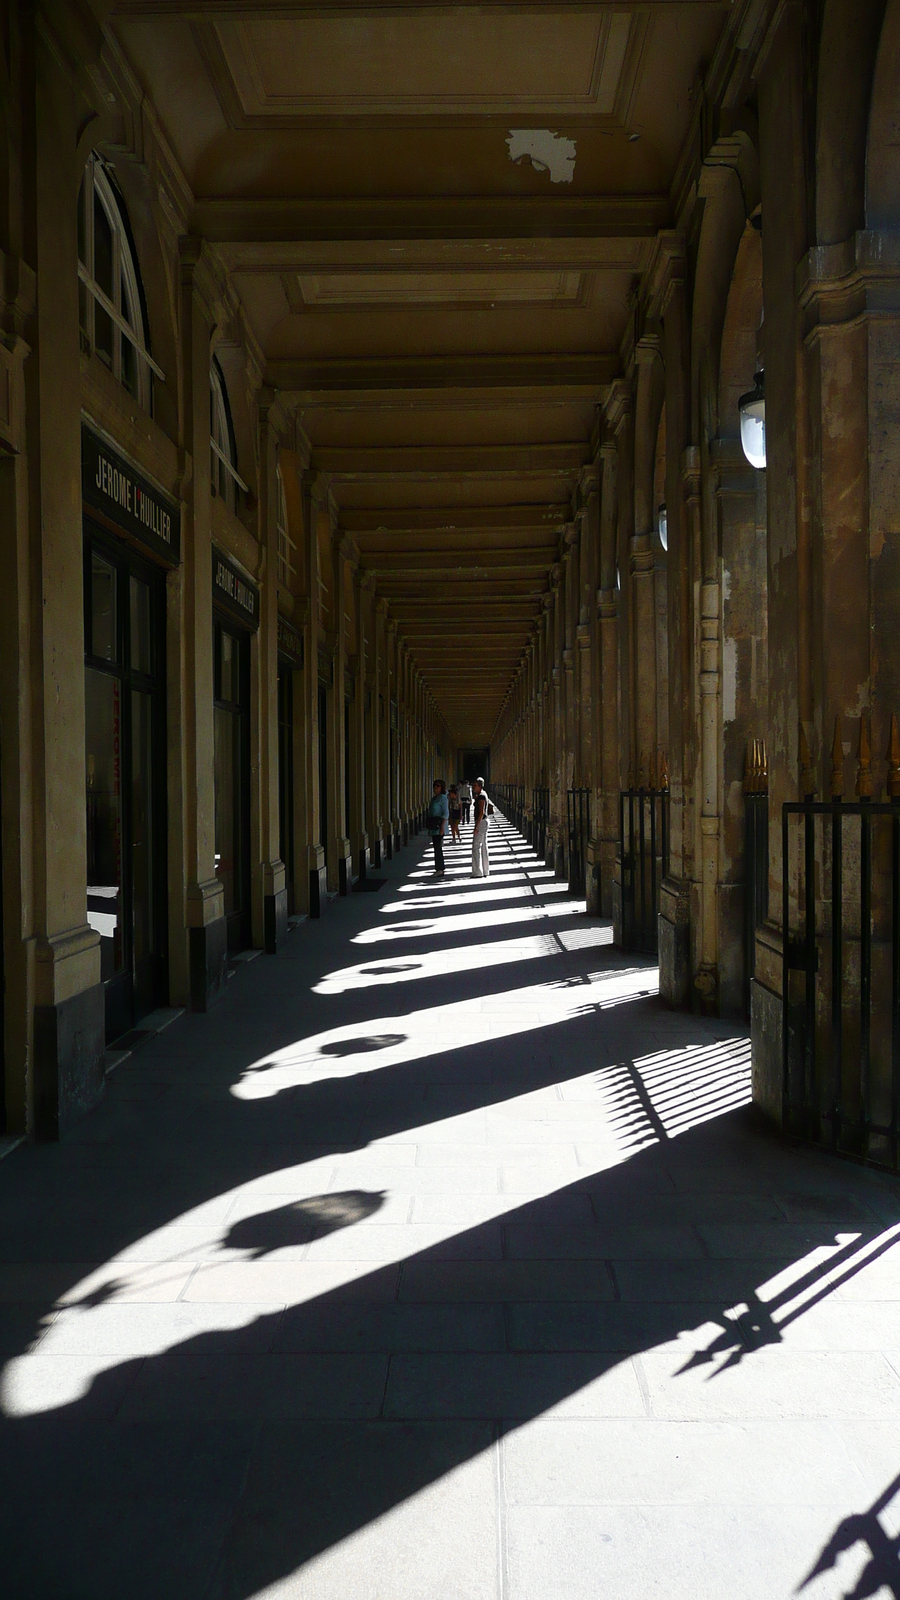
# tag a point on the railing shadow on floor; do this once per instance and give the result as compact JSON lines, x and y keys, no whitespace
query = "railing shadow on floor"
{"x":268,"y":1432}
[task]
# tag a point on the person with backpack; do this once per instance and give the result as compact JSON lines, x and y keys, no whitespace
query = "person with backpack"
{"x":438,"y":813}
{"x":481,"y":862}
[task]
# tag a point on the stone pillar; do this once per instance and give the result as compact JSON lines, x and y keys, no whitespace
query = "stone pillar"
{"x":371,"y":740}
{"x":315,"y":822}
{"x":674,"y":923}
{"x":783,"y":178}
{"x":704,"y":910}
{"x":642,"y":564}
{"x":55,"y":951}
{"x":589,"y":646}
{"x":339,"y":867}
{"x":270,"y":902}
{"x":205,"y":902}
{"x":608,"y":695}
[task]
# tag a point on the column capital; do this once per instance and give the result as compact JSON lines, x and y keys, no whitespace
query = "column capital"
{"x":618,"y":404}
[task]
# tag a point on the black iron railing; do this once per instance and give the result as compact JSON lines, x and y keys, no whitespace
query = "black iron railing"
{"x":578,"y":815}
{"x":756,"y":856}
{"x":540,"y":817}
{"x":841,"y":972}
{"x":644,"y":862}
{"x":511,"y":799}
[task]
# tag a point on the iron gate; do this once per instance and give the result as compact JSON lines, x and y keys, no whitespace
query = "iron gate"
{"x":644,"y":862}
{"x":578,"y":806}
{"x":841,"y":978}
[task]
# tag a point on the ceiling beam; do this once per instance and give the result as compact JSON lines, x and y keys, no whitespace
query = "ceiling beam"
{"x":435,"y":218}
{"x":306,"y":379}
{"x":299,"y":10}
{"x":369,"y":463}
{"x":446,"y":565}
{"x":518,"y":518}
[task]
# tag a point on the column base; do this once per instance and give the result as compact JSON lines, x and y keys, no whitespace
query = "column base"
{"x":275,"y":920}
{"x":316,"y":883}
{"x":69,"y":1041}
{"x":674,"y":946}
{"x":766,"y":1050}
{"x":208,"y":949}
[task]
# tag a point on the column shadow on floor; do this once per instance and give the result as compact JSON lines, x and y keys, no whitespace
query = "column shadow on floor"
{"x":231,"y":1459}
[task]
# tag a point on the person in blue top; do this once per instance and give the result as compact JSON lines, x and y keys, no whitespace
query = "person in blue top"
{"x":438,"y":813}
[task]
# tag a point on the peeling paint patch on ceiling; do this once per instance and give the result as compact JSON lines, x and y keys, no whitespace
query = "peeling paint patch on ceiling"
{"x":547,"y":152}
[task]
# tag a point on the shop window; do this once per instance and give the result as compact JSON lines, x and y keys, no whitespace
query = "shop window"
{"x":223,"y":472}
{"x":287,"y":549}
{"x":110,"y":305}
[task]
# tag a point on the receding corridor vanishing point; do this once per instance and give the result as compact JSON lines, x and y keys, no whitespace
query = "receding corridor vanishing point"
{"x":441,"y":1262}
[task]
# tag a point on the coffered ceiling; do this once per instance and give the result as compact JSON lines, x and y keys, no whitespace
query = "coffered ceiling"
{"x":434,"y":216}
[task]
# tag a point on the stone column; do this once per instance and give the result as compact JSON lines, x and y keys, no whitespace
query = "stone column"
{"x":270,"y":902}
{"x":312,"y":838}
{"x":674,"y":938}
{"x":589,"y":644}
{"x":339,"y":864}
{"x":783,"y":179}
{"x":642,"y":565}
{"x":205,"y":907}
{"x":57,"y":953}
{"x":704,"y":918}
{"x":608,"y":696}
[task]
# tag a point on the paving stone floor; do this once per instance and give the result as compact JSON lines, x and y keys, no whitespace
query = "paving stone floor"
{"x":441,"y":1262}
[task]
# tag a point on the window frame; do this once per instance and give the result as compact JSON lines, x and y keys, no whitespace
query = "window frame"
{"x":224,"y":476}
{"x":97,"y":185}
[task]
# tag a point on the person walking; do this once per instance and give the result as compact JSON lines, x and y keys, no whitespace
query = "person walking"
{"x":481,"y":862}
{"x":465,"y":795}
{"x":455,"y":805}
{"x":438,"y":812}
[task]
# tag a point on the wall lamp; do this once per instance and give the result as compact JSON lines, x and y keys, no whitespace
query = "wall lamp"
{"x":662,"y":525}
{"x":752,"y":410}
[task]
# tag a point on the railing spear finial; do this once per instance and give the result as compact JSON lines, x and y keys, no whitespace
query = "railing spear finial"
{"x":837,"y":763}
{"x":864,"y":758}
{"x":664,"y":772}
{"x":893,"y":761}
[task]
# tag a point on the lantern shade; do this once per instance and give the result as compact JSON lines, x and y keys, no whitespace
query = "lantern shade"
{"x":752,"y":409}
{"x":662,"y":524}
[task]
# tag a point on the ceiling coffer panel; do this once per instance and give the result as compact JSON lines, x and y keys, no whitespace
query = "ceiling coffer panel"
{"x":481,"y":64}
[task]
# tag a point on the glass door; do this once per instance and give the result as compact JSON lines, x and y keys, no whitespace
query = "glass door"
{"x":125,"y":777}
{"x":232,"y":780}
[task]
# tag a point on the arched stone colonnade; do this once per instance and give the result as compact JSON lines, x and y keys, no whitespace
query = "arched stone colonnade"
{"x":773,"y":610}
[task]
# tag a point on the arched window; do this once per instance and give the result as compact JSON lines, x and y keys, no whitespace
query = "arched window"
{"x":223,"y":473}
{"x":287,"y":549}
{"x":112,"y":319}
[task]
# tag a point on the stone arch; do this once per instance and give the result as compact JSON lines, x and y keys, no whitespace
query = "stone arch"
{"x":883,"y":156}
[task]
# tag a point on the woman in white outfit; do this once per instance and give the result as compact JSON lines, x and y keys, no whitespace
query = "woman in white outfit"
{"x":481,"y":863}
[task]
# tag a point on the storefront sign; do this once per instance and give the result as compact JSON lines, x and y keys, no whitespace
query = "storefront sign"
{"x":127,"y":501}
{"x":290,"y":642}
{"x":233,"y":592}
